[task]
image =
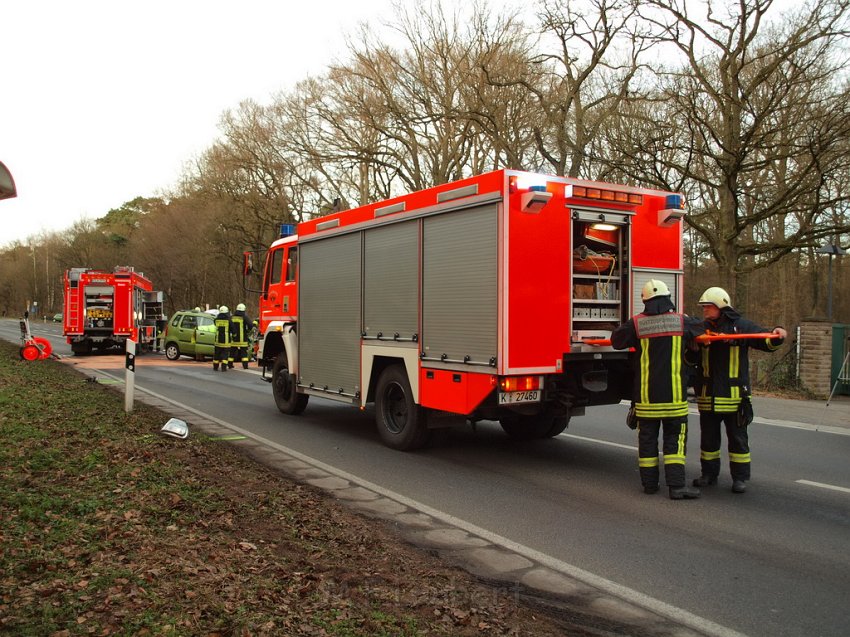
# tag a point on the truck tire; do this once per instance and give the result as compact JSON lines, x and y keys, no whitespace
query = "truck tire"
{"x":81,"y":348}
{"x":401,"y":422}
{"x":537,"y":427}
{"x":286,"y":398}
{"x":172,"y":352}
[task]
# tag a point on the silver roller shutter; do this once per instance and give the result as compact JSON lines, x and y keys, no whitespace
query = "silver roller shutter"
{"x":329,"y":313}
{"x":391,"y":281}
{"x":460,"y":285}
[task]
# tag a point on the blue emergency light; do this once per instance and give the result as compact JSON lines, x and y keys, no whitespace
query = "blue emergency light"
{"x":287,"y":229}
{"x":673,"y":202}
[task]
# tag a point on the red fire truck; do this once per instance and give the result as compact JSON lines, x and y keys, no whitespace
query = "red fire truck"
{"x":467,"y":301}
{"x":103,"y":309}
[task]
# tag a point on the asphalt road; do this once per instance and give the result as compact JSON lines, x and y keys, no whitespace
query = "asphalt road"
{"x":772,"y":562}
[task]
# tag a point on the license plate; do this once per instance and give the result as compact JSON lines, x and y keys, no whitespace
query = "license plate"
{"x":514,"y":397}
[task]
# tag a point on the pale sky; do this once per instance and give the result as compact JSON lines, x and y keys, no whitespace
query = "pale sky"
{"x":102,"y":101}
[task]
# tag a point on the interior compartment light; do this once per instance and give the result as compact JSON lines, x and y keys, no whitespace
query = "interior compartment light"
{"x":608,"y":227}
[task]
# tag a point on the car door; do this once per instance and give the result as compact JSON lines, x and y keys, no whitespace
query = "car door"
{"x":186,"y":334}
{"x":205,"y":336}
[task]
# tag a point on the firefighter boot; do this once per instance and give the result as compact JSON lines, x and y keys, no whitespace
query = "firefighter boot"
{"x":705,"y":481}
{"x":215,"y":367}
{"x":739,"y":486}
{"x":683,"y":493}
{"x":649,"y":489}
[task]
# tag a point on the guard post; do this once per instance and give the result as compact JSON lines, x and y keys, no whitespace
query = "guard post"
{"x":130,"y":375}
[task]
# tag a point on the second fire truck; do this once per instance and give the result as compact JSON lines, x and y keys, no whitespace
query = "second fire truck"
{"x":103,"y":309}
{"x":472,"y":300}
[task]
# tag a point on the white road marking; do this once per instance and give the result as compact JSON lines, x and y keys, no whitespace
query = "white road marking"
{"x":823,"y":486}
{"x":601,"y":442}
{"x":673,"y":613}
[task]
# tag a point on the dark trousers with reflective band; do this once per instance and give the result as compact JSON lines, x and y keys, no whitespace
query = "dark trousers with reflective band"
{"x":220,"y":355}
{"x":239,"y":354}
{"x":675,"y":439}
{"x":739,"y":445}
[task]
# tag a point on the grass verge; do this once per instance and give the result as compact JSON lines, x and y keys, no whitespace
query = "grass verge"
{"x":109,"y":529}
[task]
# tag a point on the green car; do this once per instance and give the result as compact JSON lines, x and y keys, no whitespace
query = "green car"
{"x":189,"y":333}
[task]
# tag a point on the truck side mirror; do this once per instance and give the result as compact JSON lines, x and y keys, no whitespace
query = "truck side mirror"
{"x":247,"y":263}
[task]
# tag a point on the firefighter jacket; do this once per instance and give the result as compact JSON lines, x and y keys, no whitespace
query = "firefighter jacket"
{"x":222,"y":329}
{"x":723,"y":372}
{"x":660,"y":337}
{"x":240,"y":326}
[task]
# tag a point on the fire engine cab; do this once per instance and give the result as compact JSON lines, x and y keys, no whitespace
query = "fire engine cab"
{"x":103,"y":309}
{"x":466,"y":301}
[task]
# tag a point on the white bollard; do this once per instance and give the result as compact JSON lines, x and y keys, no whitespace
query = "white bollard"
{"x":130,"y":376}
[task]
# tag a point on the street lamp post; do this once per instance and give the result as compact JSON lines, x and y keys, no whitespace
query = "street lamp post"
{"x":833,"y":251}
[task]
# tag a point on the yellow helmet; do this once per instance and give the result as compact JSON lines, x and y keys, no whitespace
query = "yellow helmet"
{"x":653,"y":288}
{"x":240,"y":307}
{"x":715,"y":296}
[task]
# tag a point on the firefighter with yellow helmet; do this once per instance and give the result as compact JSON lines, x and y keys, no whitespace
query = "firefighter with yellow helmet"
{"x":723,"y":387}
{"x":660,"y":337}
{"x":221,"y":351}
{"x":240,"y":328}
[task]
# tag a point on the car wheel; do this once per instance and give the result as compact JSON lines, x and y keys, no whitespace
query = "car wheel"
{"x":287,"y":399}
{"x":172,"y":352}
{"x":401,"y":422}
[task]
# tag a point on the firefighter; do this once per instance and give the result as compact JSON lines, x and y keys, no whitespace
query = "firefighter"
{"x":221,"y":353}
{"x":660,"y":337}
{"x":240,"y":327}
{"x":723,"y":388}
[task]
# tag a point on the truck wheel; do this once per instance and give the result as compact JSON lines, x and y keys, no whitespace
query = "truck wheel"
{"x":172,"y":352}
{"x":81,"y":348}
{"x":401,"y":422}
{"x":523,"y":427}
{"x":286,"y":398}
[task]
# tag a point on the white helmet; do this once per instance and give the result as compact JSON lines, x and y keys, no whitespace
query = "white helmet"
{"x":653,"y":288}
{"x":224,"y":309}
{"x":240,"y":307}
{"x":715,"y":296}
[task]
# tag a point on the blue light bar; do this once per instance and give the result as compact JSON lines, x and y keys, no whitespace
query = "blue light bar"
{"x":287,"y":229}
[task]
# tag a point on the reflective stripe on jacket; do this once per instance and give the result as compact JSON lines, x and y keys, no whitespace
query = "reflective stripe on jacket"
{"x":723,"y":375}
{"x":660,"y":378}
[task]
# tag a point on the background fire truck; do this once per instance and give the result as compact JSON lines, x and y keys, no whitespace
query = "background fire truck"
{"x":103,"y":309}
{"x":470,"y":300}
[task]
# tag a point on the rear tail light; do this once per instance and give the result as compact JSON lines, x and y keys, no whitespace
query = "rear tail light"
{"x":519,"y":383}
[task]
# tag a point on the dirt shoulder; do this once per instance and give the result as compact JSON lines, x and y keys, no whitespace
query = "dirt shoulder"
{"x":109,"y":528}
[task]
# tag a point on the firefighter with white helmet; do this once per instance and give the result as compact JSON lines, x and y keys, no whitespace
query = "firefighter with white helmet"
{"x":240,"y":327}
{"x":660,"y":337}
{"x":221,"y":351}
{"x":723,"y":387}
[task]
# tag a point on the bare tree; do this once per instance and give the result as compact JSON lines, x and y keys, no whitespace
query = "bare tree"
{"x":753,"y":126}
{"x":586,"y":73}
